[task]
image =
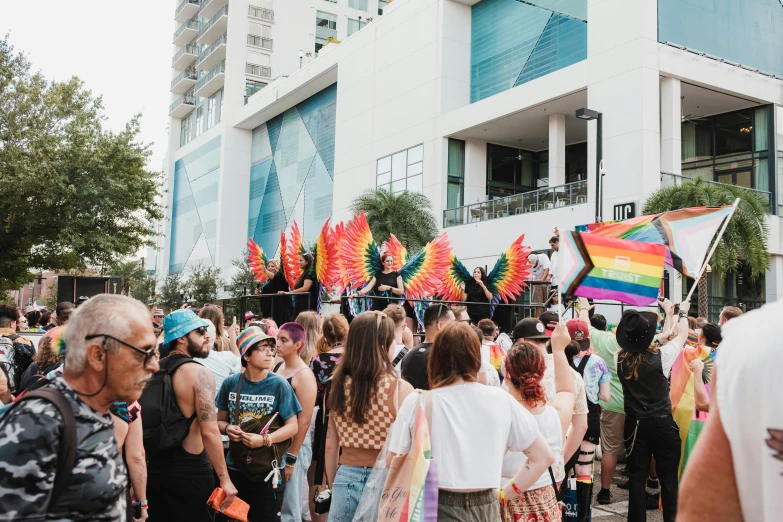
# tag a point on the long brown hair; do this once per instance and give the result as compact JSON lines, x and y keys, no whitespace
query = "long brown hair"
{"x":455,"y":355}
{"x":215,"y":314}
{"x":365,"y":362}
{"x":333,"y":330}
{"x":310,"y":322}
{"x":631,"y":362}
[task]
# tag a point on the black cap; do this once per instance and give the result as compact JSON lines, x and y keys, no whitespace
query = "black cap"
{"x":530,"y":328}
{"x":636,"y":330}
{"x":550,"y":320}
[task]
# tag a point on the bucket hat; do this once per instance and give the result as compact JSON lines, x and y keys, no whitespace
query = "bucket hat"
{"x":180,"y":323}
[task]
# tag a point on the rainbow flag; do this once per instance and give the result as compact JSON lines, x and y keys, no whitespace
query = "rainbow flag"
{"x":687,"y":233}
{"x":688,"y":418}
{"x":422,"y":501}
{"x":606,"y":268}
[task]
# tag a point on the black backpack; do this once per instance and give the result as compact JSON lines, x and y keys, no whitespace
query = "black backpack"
{"x":165,"y":427}
{"x":22,"y":358}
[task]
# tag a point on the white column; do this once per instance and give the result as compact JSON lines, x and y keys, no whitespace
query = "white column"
{"x":557,"y":145}
{"x":475,"y":171}
{"x":671,"y":129}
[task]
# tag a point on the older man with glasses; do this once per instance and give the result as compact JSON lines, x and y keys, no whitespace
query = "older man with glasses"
{"x":180,"y":478}
{"x":58,"y":441}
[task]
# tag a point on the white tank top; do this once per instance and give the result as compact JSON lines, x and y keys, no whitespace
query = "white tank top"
{"x":549,"y":425}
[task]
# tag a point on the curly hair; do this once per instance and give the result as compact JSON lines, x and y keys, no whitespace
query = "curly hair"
{"x":46,"y":352}
{"x":525,"y":367}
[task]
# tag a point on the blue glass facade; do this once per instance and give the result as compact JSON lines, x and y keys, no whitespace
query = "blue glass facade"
{"x":514,"y":42}
{"x":749,"y":32}
{"x":194,"y":207}
{"x":292,"y":171}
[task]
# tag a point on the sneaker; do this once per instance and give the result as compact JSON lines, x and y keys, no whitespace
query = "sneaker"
{"x":625,"y":472}
{"x":652,"y":483}
{"x":625,"y":485}
{"x":604,"y":496}
{"x":652,"y":500}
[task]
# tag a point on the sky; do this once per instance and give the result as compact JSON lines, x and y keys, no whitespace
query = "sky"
{"x":121,"y":50}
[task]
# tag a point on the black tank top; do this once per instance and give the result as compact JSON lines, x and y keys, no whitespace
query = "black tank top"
{"x":647,"y":396}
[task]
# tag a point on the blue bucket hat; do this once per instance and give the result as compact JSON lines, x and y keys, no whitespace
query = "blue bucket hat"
{"x":180,"y":323}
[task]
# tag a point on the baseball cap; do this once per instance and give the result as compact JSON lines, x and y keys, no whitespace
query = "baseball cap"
{"x":180,"y":323}
{"x":579,"y":332}
{"x":529,"y":328}
{"x":532,"y":259}
{"x":249,"y":315}
{"x":158,"y":312}
{"x":550,"y":320}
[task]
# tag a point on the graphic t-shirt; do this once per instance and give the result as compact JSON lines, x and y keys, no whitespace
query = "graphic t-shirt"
{"x":269,"y":395}
{"x":596,"y":372}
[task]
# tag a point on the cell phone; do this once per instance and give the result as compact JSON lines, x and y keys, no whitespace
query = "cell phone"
{"x":137,"y":512}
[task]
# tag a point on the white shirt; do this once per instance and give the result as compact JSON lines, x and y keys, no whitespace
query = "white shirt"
{"x":748,"y":395}
{"x":537,"y":272}
{"x":548,"y":382}
{"x":472,"y":428}
{"x":549,"y":425}
{"x":553,"y":262}
{"x":222,"y":365}
{"x":669,"y":353}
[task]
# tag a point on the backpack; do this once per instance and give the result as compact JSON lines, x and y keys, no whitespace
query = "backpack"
{"x":66,"y":456}
{"x":19,"y":355}
{"x":165,"y":427}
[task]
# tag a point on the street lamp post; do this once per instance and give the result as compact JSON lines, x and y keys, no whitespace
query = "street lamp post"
{"x":587,"y":115}
{"x":301,"y":55}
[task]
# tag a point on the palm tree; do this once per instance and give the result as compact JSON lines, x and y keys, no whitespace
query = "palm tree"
{"x":129,"y":272}
{"x":407,"y":215}
{"x":746,"y":237}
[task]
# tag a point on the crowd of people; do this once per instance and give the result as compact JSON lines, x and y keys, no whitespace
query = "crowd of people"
{"x":125,"y":413}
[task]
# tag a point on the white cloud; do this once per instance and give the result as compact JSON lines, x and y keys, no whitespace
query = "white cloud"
{"x":121,"y":50}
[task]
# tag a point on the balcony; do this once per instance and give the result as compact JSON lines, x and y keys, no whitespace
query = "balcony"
{"x":210,"y":7}
{"x":259,"y":41}
{"x":216,"y":26}
{"x":182,"y":106}
{"x":675,"y":180}
{"x":184,"y":81}
{"x":185,"y":57}
{"x":187,"y":10}
{"x":258,"y":70}
{"x":533,"y":201}
{"x":211,"y":82}
{"x":212,"y":55}
{"x":186,"y":32}
{"x":262,"y":13}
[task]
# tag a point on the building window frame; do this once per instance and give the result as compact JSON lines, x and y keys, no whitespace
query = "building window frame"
{"x":455,"y":174}
{"x":403,"y":170}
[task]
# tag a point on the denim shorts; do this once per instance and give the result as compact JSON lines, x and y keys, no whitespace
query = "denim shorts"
{"x":294,"y":488}
{"x":346,"y":491}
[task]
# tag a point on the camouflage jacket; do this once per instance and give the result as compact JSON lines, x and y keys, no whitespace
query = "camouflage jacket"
{"x":29,"y":444}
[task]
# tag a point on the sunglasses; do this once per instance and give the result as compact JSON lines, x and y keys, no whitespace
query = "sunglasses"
{"x":148,"y":354}
{"x":201,"y":330}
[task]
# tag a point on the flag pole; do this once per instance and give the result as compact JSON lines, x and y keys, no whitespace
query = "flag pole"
{"x":712,"y":250}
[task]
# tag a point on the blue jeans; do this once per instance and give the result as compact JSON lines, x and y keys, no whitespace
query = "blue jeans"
{"x":294,"y":488}
{"x":346,"y":491}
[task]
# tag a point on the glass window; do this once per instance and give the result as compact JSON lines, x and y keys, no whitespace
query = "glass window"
{"x":211,"y":111}
{"x":319,"y":42}
{"x":414,"y":169}
{"x":398,"y":186}
{"x":733,"y":133}
{"x":199,"y":121}
{"x":696,"y":140}
{"x":381,"y":5}
{"x":384,"y":179}
{"x":325,"y":26}
{"x":415,"y":183}
{"x":456,"y":165}
{"x":358,"y":4}
{"x":252,"y":87}
{"x":384,"y":164}
{"x":454,"y":195}
{"x":401,"y":171}
{"x":415,"y":154}
{"x":398,"y":165}
{"x":354,"y":25}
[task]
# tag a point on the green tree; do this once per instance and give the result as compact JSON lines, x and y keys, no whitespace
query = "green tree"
{"x":746,"y":236}
{"x":407,"y":215}
{"x":171,"y":292}
{"x":242,"y":279}
{"x":49,"y":299}
{"x":203,"y":283}
{"x":129,"y":272}
{"x":73,"y":193}
{"x":143,"y":288}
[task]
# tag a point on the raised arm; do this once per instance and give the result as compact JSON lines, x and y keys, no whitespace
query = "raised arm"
{"x":702,"y":399}
{"x":564,"y":378}
{"x":233,"y":332}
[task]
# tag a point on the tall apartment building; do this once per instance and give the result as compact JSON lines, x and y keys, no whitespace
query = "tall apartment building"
{"x":485,"y":106}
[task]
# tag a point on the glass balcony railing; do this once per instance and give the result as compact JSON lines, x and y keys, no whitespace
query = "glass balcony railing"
{"x":675,"y":180}
{"x":188,"y":49}
{"x":219,"y":69}
{"x":190,"y":24}
{"x":185,"y":99}
{"x":259,"y":41}
{"x":261,"y":12}
{"x":542,"y":199}
{"x":258,"y":70}
{"x":221,"y":40}
{"x":187,"y":74}
{"x":184,"y":4}
{"x":222,"y":12}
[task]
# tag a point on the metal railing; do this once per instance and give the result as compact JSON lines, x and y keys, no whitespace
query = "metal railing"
{"x":542,"y":199}
{"x":219,"y":68}
{"x":187,"y":74}
{"x":181,"y":6}
{"x":188,"y":49}
{"x":261,"y":12}
{"x":220,"y":40}
{"x":190,"y":24}
{"x":258,"y":70}
{"x":259,"y":41}
{"x":223,"y":11}
{"x":185,"y":99}
{"x":675,"y":180}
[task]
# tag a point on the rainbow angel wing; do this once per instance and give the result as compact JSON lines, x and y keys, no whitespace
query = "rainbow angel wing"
{"x":325,"y":259}
{"x":290,"y":259}
{"x":398,"y":252}
{"x":257,"y":261}
{"x":507,"y":279}
{"x":456,"y":274}
{"x":359,"y":255}
{"x":424,"y":272}
{"x":338,"y":232}
{"x":283,"y":255}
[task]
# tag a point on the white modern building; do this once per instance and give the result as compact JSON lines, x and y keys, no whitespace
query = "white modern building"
{"x":474,"y":103}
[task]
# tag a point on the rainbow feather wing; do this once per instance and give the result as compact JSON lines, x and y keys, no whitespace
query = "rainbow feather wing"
{"x":257,"y":261}
{"x":398,"y":252}
{"x":326,"y":270}
{"x":283,"y":256}
{"x":291,"y":258}
{"x":359,"y":255}
{"x":456,"y":274}
{"x":424,"y":272}
{"x":507,"y":279}
{"x":338,"y":232}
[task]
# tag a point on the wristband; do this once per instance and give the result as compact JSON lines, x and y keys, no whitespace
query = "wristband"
{"x":142,"y":504}
{"x":290,"y":459}
{"x":515,"y":488}
{"x":683,"y":314}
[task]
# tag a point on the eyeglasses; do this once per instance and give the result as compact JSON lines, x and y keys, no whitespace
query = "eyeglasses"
{"x":268,"y":348}
{"x":148,"y":354}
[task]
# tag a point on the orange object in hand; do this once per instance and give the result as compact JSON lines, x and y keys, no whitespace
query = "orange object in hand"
{"x":237,"y":510}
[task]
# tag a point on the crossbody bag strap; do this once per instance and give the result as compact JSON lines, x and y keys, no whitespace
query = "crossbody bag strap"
{"x":428,"y":409}
{"x":239,"y":393}
{"x":558,"y":493}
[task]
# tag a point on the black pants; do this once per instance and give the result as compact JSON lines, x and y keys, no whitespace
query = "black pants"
{"x":265,"y":502}
{"x":658,"y":437}
{"x":179,"y":497}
